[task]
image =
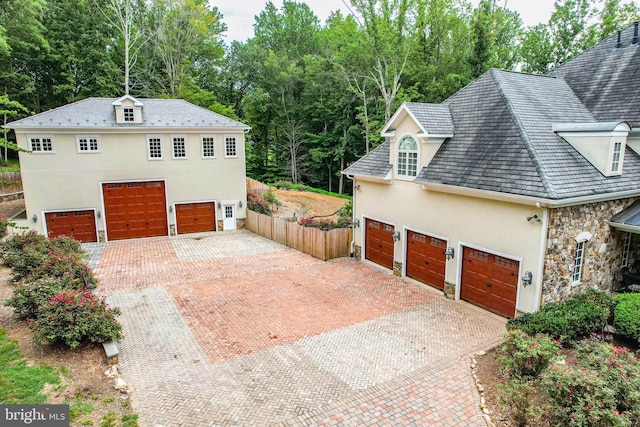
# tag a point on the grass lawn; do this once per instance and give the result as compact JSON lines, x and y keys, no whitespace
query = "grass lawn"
{"x":11,"y":165}
{"x":20,"y":383}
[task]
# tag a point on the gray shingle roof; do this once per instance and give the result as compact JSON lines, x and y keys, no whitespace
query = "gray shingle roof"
{"x":375,"y":164}
{"x":607,"y":79}
{"x":505,"y":141}
{"x":99,"y":113}
{"x":434,"y":118}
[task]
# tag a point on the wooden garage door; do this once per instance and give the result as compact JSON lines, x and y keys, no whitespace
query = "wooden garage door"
{"x":489,"y":281}
{"x":195,"y":217}
{"x":379,"y":243}
{"x":426,"y":260}
{"x":81,"y":225}
{"x":135,"y":209}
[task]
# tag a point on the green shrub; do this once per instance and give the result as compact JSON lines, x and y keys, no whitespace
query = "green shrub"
{"x":286,"y":185}
{"x":11,"y":249}
{"x":521,"y":355}
{"x":577,"y":317}
{"x":270,"y":197}
{"x":626,"y":316}
{"x":517,"y":394}
{"x":601,"y":388}
{"x":69,"y":268}
{"x":28,"y":297}
{"x":74,"y":317}
{"x":258,"y":204}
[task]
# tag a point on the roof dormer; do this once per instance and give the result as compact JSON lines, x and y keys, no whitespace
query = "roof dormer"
{"x":128,"y":110}
{"x":602,"y":144}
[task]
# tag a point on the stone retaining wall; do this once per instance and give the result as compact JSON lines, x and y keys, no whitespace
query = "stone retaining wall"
{"x":11,"y":196}
{"x":602,"y":254}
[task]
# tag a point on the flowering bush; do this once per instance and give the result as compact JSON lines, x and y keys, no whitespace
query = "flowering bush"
{"x":627,"y":316}
{"x":75,"y":317}
{"x":12,"y":248}
{"x":602,"y":387}
{"x":28,"y":297}
{"x":69,"y":268}
{"x":321,"y":223}
{"x":577,"y":317}
{"x":521,"y":355}
{"x":258,"y":204}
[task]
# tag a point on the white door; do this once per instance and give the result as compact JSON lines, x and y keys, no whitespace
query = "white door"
{"x":229,"y":216}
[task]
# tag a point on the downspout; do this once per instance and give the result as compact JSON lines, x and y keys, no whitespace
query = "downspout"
{"x":541,"y":257}
{"x":353,"y":214}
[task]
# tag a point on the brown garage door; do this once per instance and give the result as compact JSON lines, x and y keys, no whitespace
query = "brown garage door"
{"x":426,"y":259}
{"x":81,"y":225}
{"x":135,"y":209}
{"x":379,"y":243}
{"x":489,"y":281}
{"x":195,"y":217}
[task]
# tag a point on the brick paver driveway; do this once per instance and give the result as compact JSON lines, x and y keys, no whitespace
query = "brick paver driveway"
{"x":233,"y":329}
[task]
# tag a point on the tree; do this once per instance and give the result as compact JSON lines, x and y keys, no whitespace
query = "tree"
{"x":615,"y":16}
{"x":536,"y":50}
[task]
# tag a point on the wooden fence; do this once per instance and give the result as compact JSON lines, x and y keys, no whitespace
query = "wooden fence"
{"x":10,"y":182}
{"x":320,"y":244}
{"x":257,"y":187}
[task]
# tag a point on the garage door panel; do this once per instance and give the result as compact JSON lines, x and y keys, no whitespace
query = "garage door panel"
{"x":426,"y":260}
{"x":195,"y":217}
{"x":379,"y":243}
{"x":81,"y":225}
{"x":489,"y":281}
{"x":135,"y":209}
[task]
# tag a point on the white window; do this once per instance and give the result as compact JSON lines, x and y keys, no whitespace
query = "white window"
{"x":128,"y":114}
{"x":626,"y":248}
{"x":616,"y":159}
{"x":88,"y":145}
{"x":179,"y":147}
{"x":208,"y":146}
{"x":578,"y":263}
{"x":408,"y":157}
{"x":155,"y":147}
{"x":41,"y":145}
{"x":230,"y":147}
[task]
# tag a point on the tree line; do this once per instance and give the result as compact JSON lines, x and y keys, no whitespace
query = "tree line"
{"x":316,"y":95}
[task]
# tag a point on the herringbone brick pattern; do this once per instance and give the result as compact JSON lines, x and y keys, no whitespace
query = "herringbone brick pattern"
{"x":274,"y":337}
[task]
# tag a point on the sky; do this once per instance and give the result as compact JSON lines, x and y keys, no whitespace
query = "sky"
{"x":239,"y":14}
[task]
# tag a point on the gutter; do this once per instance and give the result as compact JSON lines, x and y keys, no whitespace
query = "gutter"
{"x":529,"y":200}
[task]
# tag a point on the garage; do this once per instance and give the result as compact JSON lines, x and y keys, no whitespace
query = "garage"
{"x":81,"y":225}
{"x":379,"y":242}
{"x":489,"y":281}
{"x":135,"y":209}
{"x":195,"y":217}
{"x":426,"y":259}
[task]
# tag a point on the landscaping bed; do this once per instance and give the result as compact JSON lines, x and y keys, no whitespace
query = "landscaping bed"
{"x":306,"y":204}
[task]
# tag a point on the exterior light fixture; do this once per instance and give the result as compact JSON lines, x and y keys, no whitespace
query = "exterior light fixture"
{"x":240,"y":203}
{"x":527,"y":278}
{"x":170,"y":208}
{"x":450,"y":253}
{"x":34,"y":218}
{"x":219,"y":205}
{"x":98,"y":214}
{"x":396,"y":236}
{"x":357,"y":186}
{"x":356,"y":223}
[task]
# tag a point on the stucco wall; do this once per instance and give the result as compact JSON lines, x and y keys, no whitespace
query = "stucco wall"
{"x":67,"y":179}
{"x":491,"y":225}
{"x":602,"y":254}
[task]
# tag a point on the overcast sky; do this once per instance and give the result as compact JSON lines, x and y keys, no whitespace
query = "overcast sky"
{"x":239,"y":14}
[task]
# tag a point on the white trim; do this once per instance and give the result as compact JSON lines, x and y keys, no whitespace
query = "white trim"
{"x":626,"y":248}
{"x":396,"y":167}
{"x":215,"y":149}
{"x":118,"y":102}
{"x":124,"y":181}
{"x":541,"y":258}
{"x":363,"y":227}
{"x":402,"y":108}
{"x":149,"y":138}
{"x":406,"y":240}
{"x":88,"y":151}
{"x":585,"y":236}
{"x":186,"y":149}
{"x":175,"y":218}
{"x":519,"y":260}
{"x":224,"y":137}
{"x":40,"y":137}
{"x":386,"y":180}
{"x":44,"y":213}
{"x":578,"y":269}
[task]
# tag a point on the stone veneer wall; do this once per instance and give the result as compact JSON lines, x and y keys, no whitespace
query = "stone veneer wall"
{"x":602,"y":254}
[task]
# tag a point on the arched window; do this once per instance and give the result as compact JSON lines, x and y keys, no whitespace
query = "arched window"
{"x":408,"y":157}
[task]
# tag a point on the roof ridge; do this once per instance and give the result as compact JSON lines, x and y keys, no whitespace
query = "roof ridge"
{"x":533,"y":154}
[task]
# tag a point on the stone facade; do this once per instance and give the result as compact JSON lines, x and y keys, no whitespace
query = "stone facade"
{"x":357,"y":252}
{"x":172,"y":230}
{"x":241,"y":223}
{"x":220,"y":225}
{"x":602,"y":253}
{"x":450,"y":290}
{"x":397,"y":268}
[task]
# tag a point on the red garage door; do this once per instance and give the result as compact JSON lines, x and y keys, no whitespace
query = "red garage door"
{"x":135,"y":209}
{"x":379,"y":243}
{"x":426,"y":260}
{"x":81,"y":225}
{"x":489,"y":281}
{"x":195,"y":217}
